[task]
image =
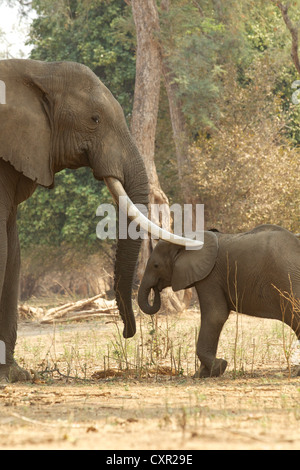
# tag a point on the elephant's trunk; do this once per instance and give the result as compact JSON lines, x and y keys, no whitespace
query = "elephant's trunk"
{"x":126,"y":258}
{"x":143,"y":299}
{"x":136,"y":188}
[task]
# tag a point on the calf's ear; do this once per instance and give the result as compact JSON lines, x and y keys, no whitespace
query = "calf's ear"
{"x":194,"y":265}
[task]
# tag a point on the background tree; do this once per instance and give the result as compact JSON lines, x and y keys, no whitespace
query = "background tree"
{"x":226,"y":125}
{"x":144,"y":119}
{"x":147,"y":91}
{"x":293,"y":29}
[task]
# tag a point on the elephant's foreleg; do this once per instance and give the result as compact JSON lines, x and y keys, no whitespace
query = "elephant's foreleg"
{"x":3,"y":263}
{"x":9,"y":305}
{"x":214,"y":313}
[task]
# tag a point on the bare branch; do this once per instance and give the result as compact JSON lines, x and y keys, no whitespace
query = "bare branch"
{"x":198,"y":6}
{"x":292,"y":29}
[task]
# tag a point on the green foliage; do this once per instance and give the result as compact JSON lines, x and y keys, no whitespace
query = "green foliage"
{"x":198,"y":43}
{"x":88,"y":32}
{"x":65,"y":214}
{"x":264,"y":27}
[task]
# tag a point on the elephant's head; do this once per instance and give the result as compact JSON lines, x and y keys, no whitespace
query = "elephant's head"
{"x":60,"y":115}
{"x":171,"y":265}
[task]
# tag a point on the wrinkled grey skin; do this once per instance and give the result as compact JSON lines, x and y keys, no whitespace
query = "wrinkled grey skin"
{"x":56,"y":116}
{"x":231,"y":272}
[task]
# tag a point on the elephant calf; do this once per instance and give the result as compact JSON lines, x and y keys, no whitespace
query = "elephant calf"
{"x":246,"y":272}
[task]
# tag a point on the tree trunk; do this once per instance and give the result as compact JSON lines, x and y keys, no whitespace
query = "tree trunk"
{"x":147,"y":86}
{"x":145,"y":111}
{"x":146,"y":102}
{"x":180,"y":135}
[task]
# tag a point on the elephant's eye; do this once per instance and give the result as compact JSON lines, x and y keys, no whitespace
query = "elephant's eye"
{"x":96,"y":119}
{"x":155,"y":265}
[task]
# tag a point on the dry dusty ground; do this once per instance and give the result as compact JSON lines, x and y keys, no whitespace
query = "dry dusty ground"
{"x":255,"y":405}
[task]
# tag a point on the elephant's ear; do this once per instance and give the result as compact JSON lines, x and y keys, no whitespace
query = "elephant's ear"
{"x":193,"y":265}
{"x":25,"y":139}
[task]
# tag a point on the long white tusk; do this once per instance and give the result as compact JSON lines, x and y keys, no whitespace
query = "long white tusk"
{"x":116,"y":189}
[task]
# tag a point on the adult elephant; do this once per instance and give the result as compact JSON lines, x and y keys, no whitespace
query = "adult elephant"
{"x":256,"y":273}
{"x":56,"y":116}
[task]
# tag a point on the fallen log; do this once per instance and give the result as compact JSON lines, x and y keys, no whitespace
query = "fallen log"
{"x":27,"y":312}
{"x":79,"y":311}
{"x":62,"y":309}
